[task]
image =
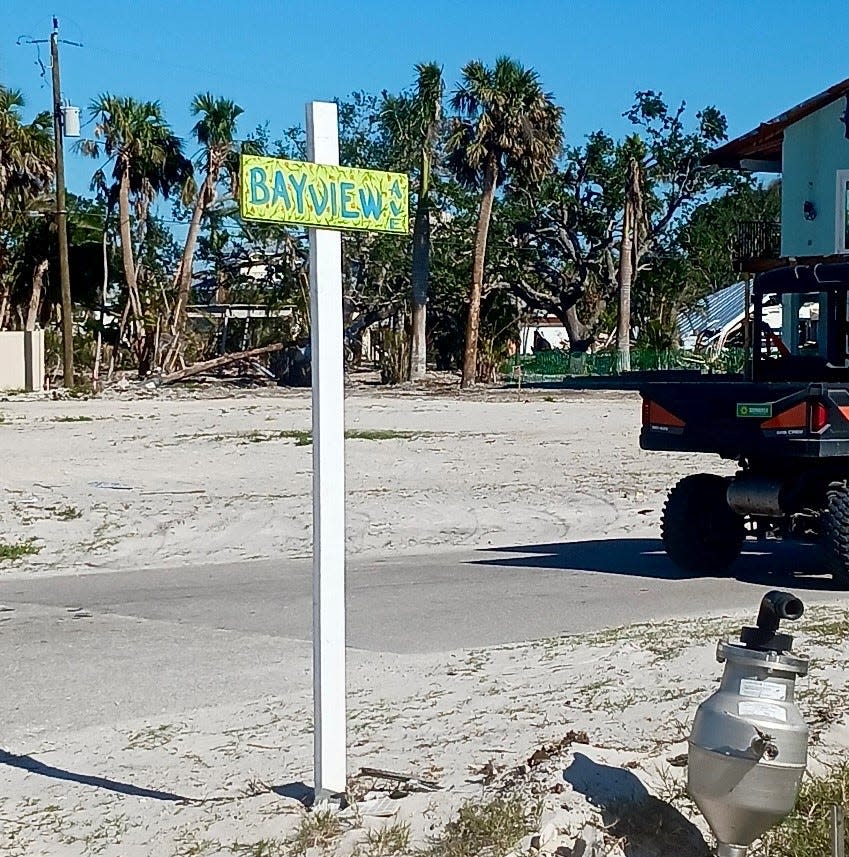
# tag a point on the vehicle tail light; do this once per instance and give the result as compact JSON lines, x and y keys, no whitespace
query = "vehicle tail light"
{"x":646,"y":411}
{"x":819,"y":415}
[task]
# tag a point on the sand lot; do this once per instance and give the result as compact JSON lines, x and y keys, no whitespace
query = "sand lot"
{"x":118,"y":484}
{"x":577,"y":725}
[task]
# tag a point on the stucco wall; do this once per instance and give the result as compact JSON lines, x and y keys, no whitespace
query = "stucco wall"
{"x":815,"y":148}
{"x":22,"y":360}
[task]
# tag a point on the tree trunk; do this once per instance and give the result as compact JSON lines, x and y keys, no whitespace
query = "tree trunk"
{"x":470,"y":354}
{"x":216,"y":362}
{"x":133,"y":297}
{"x":184,"y":281}
{"x":35,"y":298}
{"x":626,"y":267}
{"x":421,"y":273}
{"x":95,"y":371}
{"x":4,"y":309}
{"x":576,"y":330}
{"x":127,"y":244}
{"x":626,"y":273}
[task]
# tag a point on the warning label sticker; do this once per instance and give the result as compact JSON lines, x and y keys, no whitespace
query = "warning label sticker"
{"x":763,"y":689}
{"x":765,"y":710}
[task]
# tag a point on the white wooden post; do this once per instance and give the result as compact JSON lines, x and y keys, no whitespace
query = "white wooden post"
{"x":328,"y":435}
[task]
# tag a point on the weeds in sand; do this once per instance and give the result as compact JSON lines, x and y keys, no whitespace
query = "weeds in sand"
{"x":11,"y":551}
{"x":664,"y":640}
{"x":81,"y":418}
{"x":255,"y":787}
{"x":301,"y":438}
{"x":260,"y":848}
{"x":109,"y":833}
{"x":492,"y":828}
{"x":381,"y":434}
{"x":304,"y":438}
{"x":68,"y":513}
{"x":826,"y":629}
{"x":318,"y":829}
{"x":388,"y":841}
{"x":99,"y":541}
{"x":151,"y":737}
{"x":198,"y":848}
{"x":822,"y":703}
{"x":806,"y":832}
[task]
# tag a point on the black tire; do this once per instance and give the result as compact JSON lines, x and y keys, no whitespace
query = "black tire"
{"x":700,"y":531}
{"x":835,"y":533}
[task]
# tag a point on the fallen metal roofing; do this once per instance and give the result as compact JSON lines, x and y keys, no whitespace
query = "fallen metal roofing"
{"x":717,"y":310}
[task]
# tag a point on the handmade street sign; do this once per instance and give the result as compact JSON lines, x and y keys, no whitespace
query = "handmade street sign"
{"x":303,"y":193}
{"x":327,"y":198}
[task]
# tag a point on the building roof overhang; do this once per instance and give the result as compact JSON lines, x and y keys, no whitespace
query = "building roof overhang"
{"x":759,"y":150}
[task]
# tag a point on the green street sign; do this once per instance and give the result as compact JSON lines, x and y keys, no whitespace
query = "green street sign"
{"x":756,"y":411}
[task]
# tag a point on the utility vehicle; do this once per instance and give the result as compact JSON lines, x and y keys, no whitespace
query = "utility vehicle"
{"x":785,"y":420}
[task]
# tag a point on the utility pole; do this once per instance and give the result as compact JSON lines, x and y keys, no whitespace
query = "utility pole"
{"x":62,"y":216}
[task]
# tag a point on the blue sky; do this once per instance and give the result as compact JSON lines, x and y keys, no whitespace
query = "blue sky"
{"x":751,"y":58}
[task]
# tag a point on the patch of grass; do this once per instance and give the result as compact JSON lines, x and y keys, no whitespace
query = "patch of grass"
{"x":386,"y":841}
{"x":81,"y":418}
{"x":151,"y":737}
{"x":492,"y":828}
{"x":68,"y":513}
{"x":198,"y":848}
{"x":260,"y":848}
{"x":301,"y":438}
{"x":827,"y":629}
{"x":12,"y":551}
{"x":319,"y":829}
{"x":304,"y":438}
{"x":807,"y":830}
{"x":110,"y":832}
{"x":380,"y":434}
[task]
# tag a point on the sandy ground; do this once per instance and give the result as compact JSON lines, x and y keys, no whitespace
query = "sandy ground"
{"x":583,"y":724}
{"x":118,"y":484}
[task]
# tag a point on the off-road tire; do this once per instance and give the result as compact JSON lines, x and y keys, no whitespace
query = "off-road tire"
{"x":835,"y":533}
{"x":701,"y":533}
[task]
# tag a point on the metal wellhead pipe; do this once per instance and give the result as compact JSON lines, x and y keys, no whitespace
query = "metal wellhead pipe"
{"x":748,"y":746}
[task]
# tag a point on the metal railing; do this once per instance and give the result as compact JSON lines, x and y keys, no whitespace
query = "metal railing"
{"x":757,"y":239}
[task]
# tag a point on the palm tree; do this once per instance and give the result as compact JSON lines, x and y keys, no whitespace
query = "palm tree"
{"x":148,"y":161}
{"x":26,"y":172}
{"x":214,"y":130}
{"x":26,"y":152}
{"x":633,"y":229}
{"x":507,"y":127}
{"x":415,"y":122}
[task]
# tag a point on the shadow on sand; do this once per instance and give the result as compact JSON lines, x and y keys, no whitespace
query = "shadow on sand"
{"x":766,"y":563}
{"x":298,"y":791}
{"x":645,"y":825}
{"x":33,"y":766}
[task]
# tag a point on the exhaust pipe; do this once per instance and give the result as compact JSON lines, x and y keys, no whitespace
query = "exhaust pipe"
{"x":755,"y":495}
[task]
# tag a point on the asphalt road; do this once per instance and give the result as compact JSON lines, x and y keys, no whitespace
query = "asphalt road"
{"x":78,"y":649}
{"x":438,"y":602}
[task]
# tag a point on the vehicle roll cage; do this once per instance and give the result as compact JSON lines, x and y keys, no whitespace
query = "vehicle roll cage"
{"x":829,"y":279}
